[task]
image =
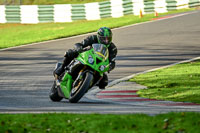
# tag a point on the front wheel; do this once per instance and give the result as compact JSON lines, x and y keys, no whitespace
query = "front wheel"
{"x":53,"y":95}
{"x":78,"y":91}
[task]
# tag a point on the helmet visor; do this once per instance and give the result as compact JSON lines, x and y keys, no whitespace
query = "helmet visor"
{"x":105,"y":40}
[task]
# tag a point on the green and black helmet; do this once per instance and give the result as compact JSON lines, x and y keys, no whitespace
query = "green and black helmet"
{"x":104,"y":35}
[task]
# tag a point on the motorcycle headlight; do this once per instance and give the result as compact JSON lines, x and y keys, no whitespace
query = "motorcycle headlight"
{"x":90,"y":60}
{"x":102,"y":67}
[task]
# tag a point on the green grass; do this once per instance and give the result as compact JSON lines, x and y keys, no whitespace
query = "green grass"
{"x":19,"y":34}
{"x":97,"y":123}
{"x":178,"y":83}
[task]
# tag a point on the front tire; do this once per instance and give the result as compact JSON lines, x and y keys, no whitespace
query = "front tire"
{"x":53,"y":95}
{"x":82,"y":88}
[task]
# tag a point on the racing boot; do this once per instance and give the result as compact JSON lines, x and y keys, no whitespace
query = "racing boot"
{"x":57,"y":73}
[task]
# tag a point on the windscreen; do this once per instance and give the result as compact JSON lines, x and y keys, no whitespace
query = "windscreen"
{"x":100,"y":50}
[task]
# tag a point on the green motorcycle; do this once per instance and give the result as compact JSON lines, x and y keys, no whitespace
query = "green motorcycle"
{"x":81,"y":74}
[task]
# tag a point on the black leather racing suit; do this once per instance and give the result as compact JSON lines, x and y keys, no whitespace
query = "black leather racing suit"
{"x":73,"y":53}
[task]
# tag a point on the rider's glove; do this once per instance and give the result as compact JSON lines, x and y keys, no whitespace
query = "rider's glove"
{"x":112,"y":66}
{"x":78,"y":47}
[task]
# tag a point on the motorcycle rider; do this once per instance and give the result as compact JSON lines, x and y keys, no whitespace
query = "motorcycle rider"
{"x":104,"y":36}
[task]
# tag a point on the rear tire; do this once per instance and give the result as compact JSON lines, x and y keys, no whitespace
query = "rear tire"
{"x":53,"y":95}
{"x":84,"y":86}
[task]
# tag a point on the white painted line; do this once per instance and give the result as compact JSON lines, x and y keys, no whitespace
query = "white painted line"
{"x":174,"y":16}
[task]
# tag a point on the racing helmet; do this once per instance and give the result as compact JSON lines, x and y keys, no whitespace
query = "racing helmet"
{"x":104,"y":35}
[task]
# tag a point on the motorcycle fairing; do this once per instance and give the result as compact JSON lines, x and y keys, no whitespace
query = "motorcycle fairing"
{"x":66,"y":85}
{"x":98,"y":60}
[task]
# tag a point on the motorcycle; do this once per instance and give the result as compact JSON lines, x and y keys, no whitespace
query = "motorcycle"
{"x":81,"y":74}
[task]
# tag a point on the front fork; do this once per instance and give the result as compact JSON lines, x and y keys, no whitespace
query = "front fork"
{"x":79,"y":78}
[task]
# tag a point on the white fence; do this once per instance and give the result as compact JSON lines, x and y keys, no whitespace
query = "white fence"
{"x":89,"y":11}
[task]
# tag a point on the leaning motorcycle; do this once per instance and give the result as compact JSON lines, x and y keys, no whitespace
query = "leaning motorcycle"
{"x":81,"y":74}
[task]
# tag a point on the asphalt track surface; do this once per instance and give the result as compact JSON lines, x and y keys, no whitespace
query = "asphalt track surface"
{"x":26,"y":72}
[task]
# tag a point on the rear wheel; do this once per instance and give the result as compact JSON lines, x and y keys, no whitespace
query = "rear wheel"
{"x":53,"y":95}
{"x":78,"y":91}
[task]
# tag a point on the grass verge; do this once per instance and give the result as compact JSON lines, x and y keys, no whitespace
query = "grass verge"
{"x":97,"y":123}
{"x":20,"y":34}
{"x":177,"y":83}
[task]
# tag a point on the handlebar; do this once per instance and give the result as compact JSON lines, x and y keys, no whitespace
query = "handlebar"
{"x":85,"y":49}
